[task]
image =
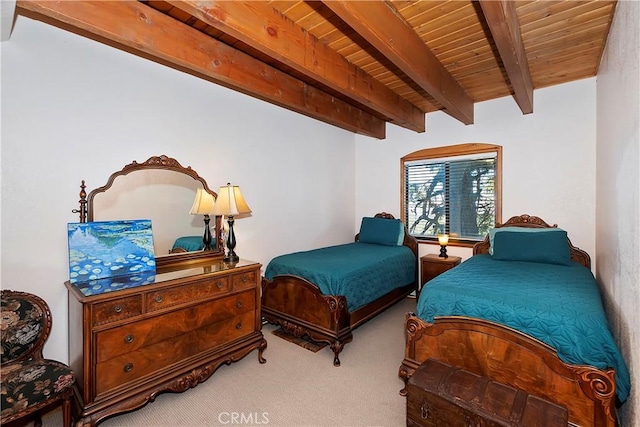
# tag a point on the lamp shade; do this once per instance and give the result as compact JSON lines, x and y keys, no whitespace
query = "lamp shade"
{"x":203,"y":204}
{"x":230,"y":201}
{"x":443,"y":239}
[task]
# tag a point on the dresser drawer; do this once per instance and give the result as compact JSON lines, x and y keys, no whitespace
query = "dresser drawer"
{"x":202,"y":289}
{"x":127,"y":338}
{"x":128,"y":367}
{"x":244,"y":280}
{"x":118,"y":309}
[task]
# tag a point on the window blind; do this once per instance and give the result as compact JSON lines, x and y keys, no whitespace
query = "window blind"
{"x":453,"y":195}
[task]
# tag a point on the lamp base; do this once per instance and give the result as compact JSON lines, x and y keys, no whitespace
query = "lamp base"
{"x":231,"y":243}
{"x":206,"y":239}
{"x":231,"y":258}
{"x":443,"y":252}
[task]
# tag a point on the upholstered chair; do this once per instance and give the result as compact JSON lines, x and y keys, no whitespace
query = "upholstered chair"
{"x":30,"y":383}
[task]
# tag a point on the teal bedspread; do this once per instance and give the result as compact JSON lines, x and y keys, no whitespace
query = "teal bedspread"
{"x":362,"y":272}
{"x":189,"y":243}
{"x":559,"y":305}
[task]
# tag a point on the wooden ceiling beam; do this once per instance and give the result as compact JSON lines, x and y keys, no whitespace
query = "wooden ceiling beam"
{"x":141,"y":30}
{"x":503,"y":23}
{"x":380,"y":24}
{"x":265,"y":29}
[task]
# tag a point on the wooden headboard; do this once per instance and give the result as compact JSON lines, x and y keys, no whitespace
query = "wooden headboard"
{"x":577,"y":255}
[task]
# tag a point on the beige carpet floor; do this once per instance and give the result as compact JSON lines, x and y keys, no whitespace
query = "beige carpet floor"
{"x":295,"y":388}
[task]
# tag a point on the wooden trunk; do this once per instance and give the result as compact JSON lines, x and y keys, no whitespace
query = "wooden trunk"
{"x":442,"y":395}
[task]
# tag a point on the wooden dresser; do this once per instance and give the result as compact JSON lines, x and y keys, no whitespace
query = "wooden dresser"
{"x":130,"y":340}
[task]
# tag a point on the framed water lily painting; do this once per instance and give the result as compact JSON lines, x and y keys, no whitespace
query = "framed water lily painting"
{"x":105,"y":249}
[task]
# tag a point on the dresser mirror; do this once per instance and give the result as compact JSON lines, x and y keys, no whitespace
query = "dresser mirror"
{"x":162,"y":190}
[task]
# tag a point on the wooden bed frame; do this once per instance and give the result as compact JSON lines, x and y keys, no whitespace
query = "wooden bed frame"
{"x":300,"y":309}
{"x":511,"y":357}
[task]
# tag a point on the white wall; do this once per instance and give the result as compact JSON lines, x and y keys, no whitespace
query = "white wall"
{"x":618,"y":189}
{"x":75,"y":109}
{"x":548,"y":159}
{"x":7,"y":15}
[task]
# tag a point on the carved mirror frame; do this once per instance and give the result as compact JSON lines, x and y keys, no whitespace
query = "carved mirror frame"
{"x":162,"y":162}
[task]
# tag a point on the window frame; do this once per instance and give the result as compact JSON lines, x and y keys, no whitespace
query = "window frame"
{"x":448,"y":152}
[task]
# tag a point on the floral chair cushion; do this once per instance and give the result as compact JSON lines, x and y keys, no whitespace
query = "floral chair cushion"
{"x":30,"y":382}
{"x":22,"y":324}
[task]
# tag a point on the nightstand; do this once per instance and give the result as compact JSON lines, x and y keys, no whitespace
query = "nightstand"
{"x":432,"y":265}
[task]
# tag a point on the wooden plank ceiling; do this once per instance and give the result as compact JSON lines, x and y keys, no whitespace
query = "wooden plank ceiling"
{"x":356,"y":64}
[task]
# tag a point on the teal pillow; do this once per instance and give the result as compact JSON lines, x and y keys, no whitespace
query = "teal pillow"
{"x":493,"y":232}
{"x":551,"y":247}
{"x":381,"y":231}
{"x":401,"y":234}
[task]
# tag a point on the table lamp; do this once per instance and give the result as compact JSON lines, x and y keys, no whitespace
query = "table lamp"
{"x":443,"y":240}
{"x":230,"y":203}
{"x":203,"y":205}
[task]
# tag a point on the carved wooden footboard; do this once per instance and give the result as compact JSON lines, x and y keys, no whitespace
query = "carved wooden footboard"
{"x":301,"y":310}
{"x":299,"y":307}
{"x":510,"y":357}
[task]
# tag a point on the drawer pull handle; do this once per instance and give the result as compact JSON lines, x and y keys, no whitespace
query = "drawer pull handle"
{"x":117,"y":309}
{"x":219,"y":285}
{"x":159,"y":299}
{"x":239,"y":304}
{"x":424,"y":411}
{"x":244,"y":279}
{"x":128,"y":367}
{"x":239,"y":326}
{"x":128,"y":339}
